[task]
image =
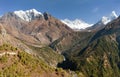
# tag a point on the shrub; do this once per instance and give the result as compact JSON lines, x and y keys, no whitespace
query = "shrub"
{"x":4,"y":59}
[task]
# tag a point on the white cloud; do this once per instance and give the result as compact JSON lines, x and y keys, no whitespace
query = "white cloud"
{"x":95,"y":10}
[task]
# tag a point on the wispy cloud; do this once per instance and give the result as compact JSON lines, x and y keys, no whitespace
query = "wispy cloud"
{"x":95,"y":10}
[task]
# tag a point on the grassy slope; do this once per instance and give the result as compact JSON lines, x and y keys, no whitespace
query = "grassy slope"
{"x":26,"y":65}
{"x":100,"y":58}
{"x":48,"y":55}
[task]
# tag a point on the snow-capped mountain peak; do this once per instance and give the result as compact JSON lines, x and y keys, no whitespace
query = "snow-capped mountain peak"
{"x":106,"y":20}
{"x":27,"y":15}
{"x":33,"y":11}
{"x":103,"y":21}
{"x":113,"y":15}
{"x":76,"y":24}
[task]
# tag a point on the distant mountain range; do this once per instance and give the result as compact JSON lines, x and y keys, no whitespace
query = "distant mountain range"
{"x":80,"y":24}
{"x":76,"y":24}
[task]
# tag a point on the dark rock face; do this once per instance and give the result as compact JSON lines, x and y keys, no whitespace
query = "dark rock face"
{"x":46,"y":15}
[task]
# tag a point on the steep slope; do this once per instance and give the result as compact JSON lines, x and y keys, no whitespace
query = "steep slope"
{"x":5,"y":38}
{"x":74,"y":39}
{"x":41,"y":29}
{"x":101,"y":57}
{"x":22,"y":64}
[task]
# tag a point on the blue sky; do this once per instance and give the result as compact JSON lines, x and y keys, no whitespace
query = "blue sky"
{"x":88,"y":10}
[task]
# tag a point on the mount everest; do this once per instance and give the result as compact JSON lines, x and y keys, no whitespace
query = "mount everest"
{"x":78,"y":24}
